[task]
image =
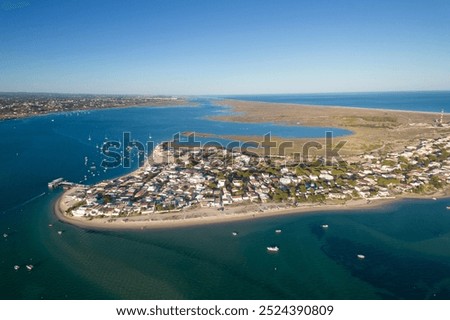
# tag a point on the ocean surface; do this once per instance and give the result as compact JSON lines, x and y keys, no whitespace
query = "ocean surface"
{"x":405,"y":243}
{"x":430,"y":101}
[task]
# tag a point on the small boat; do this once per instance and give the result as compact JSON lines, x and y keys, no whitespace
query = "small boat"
{"x":278,"y":231}
{"x":5,"y":235}
{"x":434,"y":199}
{"x":324,"y":226}
{"x":273,"y":249}
{"x":448,"y":208}
{"x":89,"y":138}
{"x":60,"y":232}
{"x":361,"y":256}
{"x":29,"y":267}
{"x":16,"y":267}
{"x":50,"y":225}
{"x":234,"y":233}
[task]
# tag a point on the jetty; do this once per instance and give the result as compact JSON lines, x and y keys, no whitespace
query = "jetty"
{"x":55,"y":183}
{"x":60,"y":182}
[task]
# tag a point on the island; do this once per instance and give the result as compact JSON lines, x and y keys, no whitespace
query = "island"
{"x":182,"y":186}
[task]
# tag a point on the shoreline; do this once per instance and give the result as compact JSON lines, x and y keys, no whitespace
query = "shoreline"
{"x":370,"y":128}
{"x":144,"y":223}
{"x":220,"y":102}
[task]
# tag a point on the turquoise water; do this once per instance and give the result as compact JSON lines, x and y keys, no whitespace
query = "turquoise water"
{"x":406,"y":244}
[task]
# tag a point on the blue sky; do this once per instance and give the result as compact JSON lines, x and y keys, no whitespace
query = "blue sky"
{"x":224,"y":47}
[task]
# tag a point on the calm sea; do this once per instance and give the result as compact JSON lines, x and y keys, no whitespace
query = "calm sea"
{"x":405,"y":244}
{"x":417,"y":101}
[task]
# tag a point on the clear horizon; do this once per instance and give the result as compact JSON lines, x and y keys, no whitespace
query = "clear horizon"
{"x":234,"y":48}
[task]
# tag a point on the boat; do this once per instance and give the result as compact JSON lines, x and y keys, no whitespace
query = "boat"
{"x":89,"y":138}
{"x":273,"y":249}
{"x":16,"y":267}
{"x":324,"y":226}
{"x":29,"y":267}
{"x":60,"y":232}
{"x":278,"y":231}
{"x":448,"y":208}
{"x":5,"y":235}
{"x":234,"y":233}
{"x":50,"y":225}
{"x":361,"y":256}
{"x":434,"y":199}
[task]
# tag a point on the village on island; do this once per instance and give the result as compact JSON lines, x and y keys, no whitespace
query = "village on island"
{"x":182,"y":181}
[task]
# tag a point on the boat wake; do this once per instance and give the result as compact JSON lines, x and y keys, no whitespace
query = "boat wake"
{"x":24,"y":203}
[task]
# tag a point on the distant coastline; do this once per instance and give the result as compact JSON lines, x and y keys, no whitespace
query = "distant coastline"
{"x":19,"y":106}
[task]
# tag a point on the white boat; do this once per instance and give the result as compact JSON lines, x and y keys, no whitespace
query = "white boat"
{"x":29,"y":267}
{"x":273,"y":249}
{"x":448,"y":208}
{"x":89,"y":138}
{"x":60,"y":232}
{"x":361,"y":256}
{"x":434,"y":199}
{"x":16,"y":267}
{"x":324,"y":226}
{"x":5,"y":235}
{"x":278,"y":231}
{"x":234,"y":233}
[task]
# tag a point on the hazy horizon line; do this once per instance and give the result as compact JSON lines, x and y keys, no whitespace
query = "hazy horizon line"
{"x":221,"y":94}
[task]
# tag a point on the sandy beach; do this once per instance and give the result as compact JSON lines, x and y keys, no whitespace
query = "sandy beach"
{"x":206,"y":216}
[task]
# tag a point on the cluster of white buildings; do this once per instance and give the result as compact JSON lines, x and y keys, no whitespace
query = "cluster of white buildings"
{"x":215,"y":177}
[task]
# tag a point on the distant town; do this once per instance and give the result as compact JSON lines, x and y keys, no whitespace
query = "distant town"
{"x":20,"y":105}
{"x":214,"y":177}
